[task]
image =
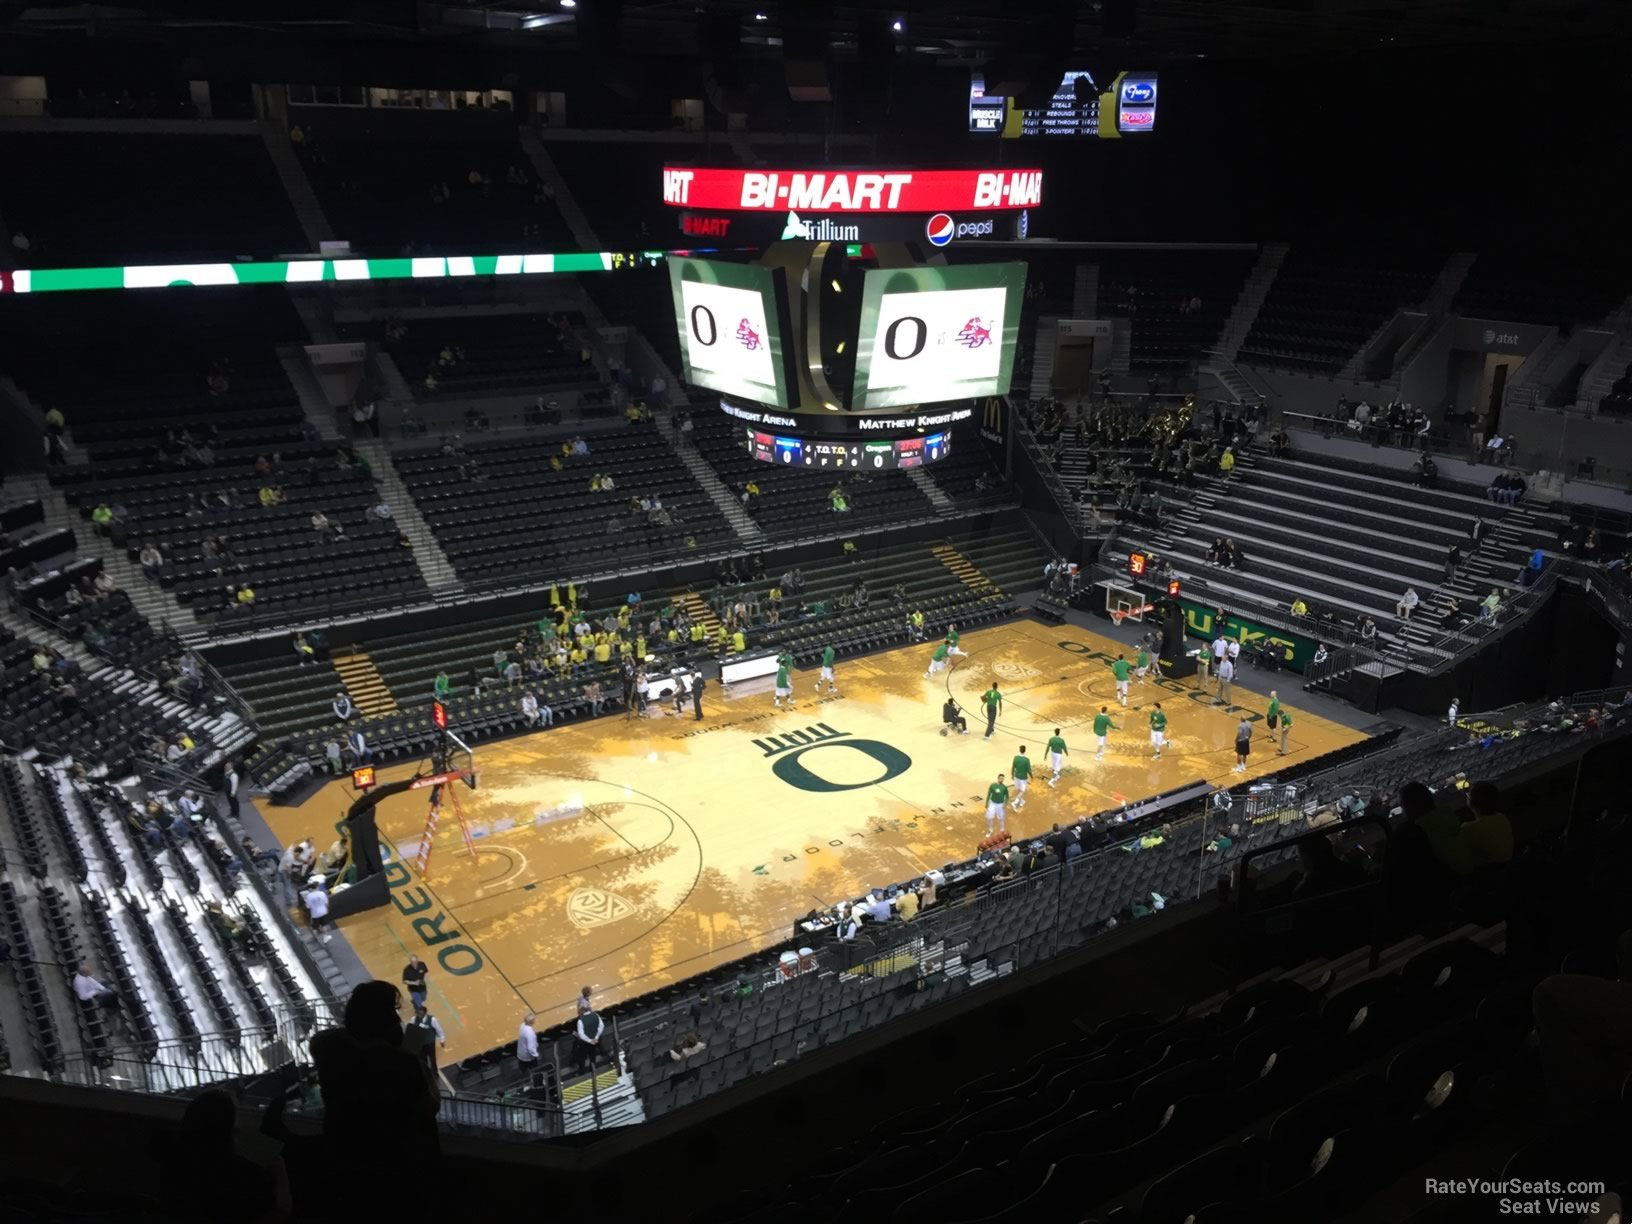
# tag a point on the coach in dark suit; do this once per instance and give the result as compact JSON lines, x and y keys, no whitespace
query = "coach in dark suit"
{"x":697,"y":694}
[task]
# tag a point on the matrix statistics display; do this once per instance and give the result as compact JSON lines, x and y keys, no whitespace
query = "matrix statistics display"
{"x":790,"y":451}
{"x":1080,"y":106}
{"x":935,"y":334}
{"x":729,"y":318}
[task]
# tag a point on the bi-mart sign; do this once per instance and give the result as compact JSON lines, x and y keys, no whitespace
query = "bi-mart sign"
{"x":714,"y":188}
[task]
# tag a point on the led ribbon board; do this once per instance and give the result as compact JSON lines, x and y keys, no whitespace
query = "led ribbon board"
{"x":317,"y":271}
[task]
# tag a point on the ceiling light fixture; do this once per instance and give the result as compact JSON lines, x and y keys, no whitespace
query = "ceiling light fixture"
{"x":569,"y":3}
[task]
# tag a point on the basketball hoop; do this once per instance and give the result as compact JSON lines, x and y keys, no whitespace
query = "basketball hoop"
{"x":1118,"y":615}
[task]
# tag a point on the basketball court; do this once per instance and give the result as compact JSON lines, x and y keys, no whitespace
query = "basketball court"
{"x":627,"y":854}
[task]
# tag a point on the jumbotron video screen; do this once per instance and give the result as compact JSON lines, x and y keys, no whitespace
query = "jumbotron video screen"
{"x":932,"y":334}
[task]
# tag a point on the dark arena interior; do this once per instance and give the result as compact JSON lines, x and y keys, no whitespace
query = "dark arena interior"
{"x":518,"y":518}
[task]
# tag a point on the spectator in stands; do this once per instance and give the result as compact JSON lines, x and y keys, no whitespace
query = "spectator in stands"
{"x":1490,"y":606}
{"x":341,"y":705}
{"x":152,"y":559}
{"x":1216,"y":553}
{"x":1299,"y":608}
{"x":587,"y":1035}
{"x":358,"y":744}
{"x":243,"y":594}
{"x":527,"y":1043}
{"x":1453,"y":558}
{"x":1368,"y":630}
{"x":593,"y":695}
{"x":1233,"y":557}
{"x":1323,"y":870}
{"x":535,"y":713}
{"x":303,"y":649}
{"x":1407,"y":604}
{"x":423,"y":1035}
{"x":91,"y":991}
{"x":1425,"y":472}
{"x":1483,"y":839}
{"x":316,"y":900}
{"x":1584,"y":1030}
{"x":204,"y":1169}
{"x":272,"y":495}
{"x":379,"y":1105}
{"x":1226,"y":462}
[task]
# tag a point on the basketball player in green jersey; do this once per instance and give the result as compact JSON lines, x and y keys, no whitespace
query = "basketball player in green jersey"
{"x":1020,"y":769}
{"x":937,"y":660}
{"x":828,"y":656}
{"x":1158,"y":730}
{"x":1103,"y":725}
{"x":1057,"y":752}
{"x":784,"y":683}
{"x":1120,"y":669}
{"x":996,"y":796}
{"x":1141,"y":662}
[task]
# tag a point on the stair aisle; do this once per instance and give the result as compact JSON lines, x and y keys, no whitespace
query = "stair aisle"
{"x":364,"y":684}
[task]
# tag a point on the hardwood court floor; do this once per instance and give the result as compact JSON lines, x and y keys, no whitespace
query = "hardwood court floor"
{"x":629,"y":854}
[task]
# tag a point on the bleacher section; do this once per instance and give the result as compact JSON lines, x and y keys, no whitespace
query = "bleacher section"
{"x":1156,"y":289}
{"x":796,"y":503}
{"x":404,"y":183}
{"x":173,"y":451}
{"x":1324,"y":305}
{"x":1530,"y":287}
{"x":206,"y":977}
{"x":490,"y":354}
{"x":161,"y":199}
{"x":509,"y":514}
{"x":1346,"y":539}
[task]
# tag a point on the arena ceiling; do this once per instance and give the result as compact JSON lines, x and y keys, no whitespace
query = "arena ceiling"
{"x":957,"y":31}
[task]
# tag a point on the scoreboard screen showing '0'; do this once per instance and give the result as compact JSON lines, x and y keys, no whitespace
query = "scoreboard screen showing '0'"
{"x":731,"y":319}
{"x":935,"y":334}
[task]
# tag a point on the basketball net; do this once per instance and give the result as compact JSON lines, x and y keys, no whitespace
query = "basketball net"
{"x":1118,"y":615}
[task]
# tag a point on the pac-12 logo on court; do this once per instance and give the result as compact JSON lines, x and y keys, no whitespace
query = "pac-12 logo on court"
{"x":593,"y":907}
{"x":791,"y":747}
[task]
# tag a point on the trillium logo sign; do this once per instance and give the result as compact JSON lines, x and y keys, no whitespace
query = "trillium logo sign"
{"x":819,"y":230}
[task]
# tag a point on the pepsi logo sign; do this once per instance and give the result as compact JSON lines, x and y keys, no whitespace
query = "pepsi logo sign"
{"x":1139,"y":91}
{"x":1138,"y":118}
{"x":939,"y":230}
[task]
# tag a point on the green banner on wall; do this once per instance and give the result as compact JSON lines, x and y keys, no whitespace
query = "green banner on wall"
{"x":1202,"y":621}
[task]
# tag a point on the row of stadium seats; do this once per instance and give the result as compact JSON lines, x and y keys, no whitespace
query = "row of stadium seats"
{"x":492,"y":353}
{"x":1378,"y":533}
{"x":797,"y":502}
{"x":1155,"y":289}
{"x":181,"y":199}
{"x":499,"y":510}
{"x":175,"y":981}
{"x":1323,"y":306}
{"x":456,"y":184}
{"x":1533,"y":287}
